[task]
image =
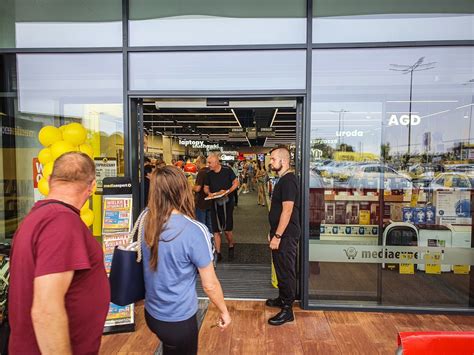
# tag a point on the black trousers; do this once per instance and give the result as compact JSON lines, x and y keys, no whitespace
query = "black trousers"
{"x":178,"y":338}
{"x":284,"y":260}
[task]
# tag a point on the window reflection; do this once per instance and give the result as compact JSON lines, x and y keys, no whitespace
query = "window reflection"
{"x":85,"y":23}
{"x":391,"y":166}
{"x":54,"y":89}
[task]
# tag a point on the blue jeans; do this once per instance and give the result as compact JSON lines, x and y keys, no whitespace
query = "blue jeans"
{"x":204,"y":216}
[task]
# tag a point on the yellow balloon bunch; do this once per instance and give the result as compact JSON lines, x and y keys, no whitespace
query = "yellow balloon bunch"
{"x":57,"y":141}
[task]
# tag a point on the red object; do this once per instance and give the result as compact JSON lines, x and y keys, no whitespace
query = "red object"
{"x":190,"y":168}
{"x":37,"y":172}
{"x":436,"y":343}
{"x":179,"y":164}
{"x":53,"y":239}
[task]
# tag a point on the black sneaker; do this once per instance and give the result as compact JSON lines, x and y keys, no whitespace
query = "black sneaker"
{"x":274,"y":302}
{"x":219,"y":257}
{"x":231,"y":253}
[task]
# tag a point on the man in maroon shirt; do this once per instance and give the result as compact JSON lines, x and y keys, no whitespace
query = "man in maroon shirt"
{"x":59,"y":293}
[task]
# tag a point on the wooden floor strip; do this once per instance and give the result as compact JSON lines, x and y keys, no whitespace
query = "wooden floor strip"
{"x":312,"y":332}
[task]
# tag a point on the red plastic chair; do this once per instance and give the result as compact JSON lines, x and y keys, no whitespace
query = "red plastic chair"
{"x":436,"y":343}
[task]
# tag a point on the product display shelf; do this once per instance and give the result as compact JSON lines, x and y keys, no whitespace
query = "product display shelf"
{"x":370,"y":198}
{"x":343,"y":239}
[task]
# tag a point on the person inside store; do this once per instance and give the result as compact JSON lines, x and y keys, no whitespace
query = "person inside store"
{"x":148,"y":169}
{"x":235,"y":169}
{"x":203,"y":206}
{"x":175,"y":248}
{"x":59,"y":292}
{"x":284,"y":235}
{"x":250,"y":176}
{"x":243,"y":178}
{"x":261,"y":176}
{"x":220,"y":184}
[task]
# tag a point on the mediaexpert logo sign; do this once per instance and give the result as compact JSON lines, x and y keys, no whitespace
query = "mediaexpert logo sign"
{"x":384,"y":253}
{"x":351,"y":253}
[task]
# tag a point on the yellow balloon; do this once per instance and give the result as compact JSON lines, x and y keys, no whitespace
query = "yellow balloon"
{"x":85,"y":207}
{"x":62,"y":128}
{"x":49,"y":135}
{"x":45,"y":156}
{"x":87,"y":217}
{"x":87,"y":149}
{"x":75,"y":134}
{"x":48,"y":169}
{"x":43,"y":186}
{"x":61,"y":147}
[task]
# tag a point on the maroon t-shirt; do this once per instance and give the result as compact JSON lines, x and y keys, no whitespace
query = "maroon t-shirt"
{"x":53,"y":239}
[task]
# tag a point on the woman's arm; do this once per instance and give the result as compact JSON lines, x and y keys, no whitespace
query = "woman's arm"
{"x":213,"y":290}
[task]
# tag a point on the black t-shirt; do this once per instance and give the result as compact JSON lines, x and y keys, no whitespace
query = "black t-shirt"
{"x":220,"y":181}
{"x":201,"y":203}
{"x":285,"y":190}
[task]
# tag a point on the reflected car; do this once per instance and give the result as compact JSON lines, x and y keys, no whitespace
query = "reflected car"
{"x":452,"y":180}
{"x":315,"y":181}
{"x":391,"y":181}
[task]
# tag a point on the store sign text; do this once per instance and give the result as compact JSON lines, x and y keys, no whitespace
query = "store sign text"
{"x":354,"y":133}
{"x":198,"y":144}
{"x":404,"y":120}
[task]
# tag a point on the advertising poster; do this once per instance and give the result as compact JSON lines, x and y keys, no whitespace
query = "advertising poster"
{"x":104,"y":167}
{"x":116,"y":225}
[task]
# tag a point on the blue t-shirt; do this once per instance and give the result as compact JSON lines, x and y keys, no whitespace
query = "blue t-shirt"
{"x":171,"y":290}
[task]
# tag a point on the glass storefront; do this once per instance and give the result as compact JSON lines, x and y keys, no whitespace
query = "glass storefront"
{"x":353,"y":21}
{"x":53,"y":90}
{"x":391,"y":177}
{"x":390,"y":168}
{"x":235,"y":70}
{"x":216,"y":22}
{"x":60,"y":24}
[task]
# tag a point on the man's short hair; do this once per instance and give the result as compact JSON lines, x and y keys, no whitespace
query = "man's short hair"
{"x":214,"y":155}
{"x":282,"y":152}
{"x":73,"y":167}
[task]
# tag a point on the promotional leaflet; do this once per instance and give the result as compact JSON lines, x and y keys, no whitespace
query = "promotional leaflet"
{"x":116,"y":225}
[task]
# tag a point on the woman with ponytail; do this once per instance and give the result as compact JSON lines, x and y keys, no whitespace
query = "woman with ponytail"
{"x":175,"y":247}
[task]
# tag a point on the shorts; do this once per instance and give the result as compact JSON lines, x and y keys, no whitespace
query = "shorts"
{"x":226,"y":220}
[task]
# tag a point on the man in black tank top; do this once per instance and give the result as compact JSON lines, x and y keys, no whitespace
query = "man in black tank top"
{"x":221,"y":180}
{"x":284,"y":235}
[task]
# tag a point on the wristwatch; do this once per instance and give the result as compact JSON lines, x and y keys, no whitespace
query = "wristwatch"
{"x":277,"y":236}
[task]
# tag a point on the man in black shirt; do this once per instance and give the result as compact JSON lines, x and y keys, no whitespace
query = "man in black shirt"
{"x":221,"y":180}
{"x":203,"y":207}
{"x":284,"y":235}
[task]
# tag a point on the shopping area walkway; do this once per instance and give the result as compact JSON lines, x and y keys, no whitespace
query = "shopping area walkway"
{"x":312,"y":332}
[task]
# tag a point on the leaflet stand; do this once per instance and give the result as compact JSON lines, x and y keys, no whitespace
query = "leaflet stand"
{"x":116,"y":225}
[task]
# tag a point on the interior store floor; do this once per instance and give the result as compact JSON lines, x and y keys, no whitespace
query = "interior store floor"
{"x":250,"y":232}
{"x":248,"y":276}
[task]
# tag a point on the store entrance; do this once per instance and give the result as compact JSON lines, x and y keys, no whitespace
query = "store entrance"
{"x":241,"y":132}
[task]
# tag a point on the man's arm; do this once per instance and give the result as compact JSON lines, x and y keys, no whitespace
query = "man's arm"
{"x":197,"y":188}
{"x":282,"y":224}
{"x":206,"y":189}
{"x":285,"y":217}
{"x":48,"y":313}
{"x":235,"y":185}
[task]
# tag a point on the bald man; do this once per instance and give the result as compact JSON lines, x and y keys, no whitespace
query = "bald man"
{"x":221,"y":180}
{"x":59,"y":293}
{"x":284,"y":235}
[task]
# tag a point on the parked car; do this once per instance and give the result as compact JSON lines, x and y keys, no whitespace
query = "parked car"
{"x":372,"y":180}
{"x":452,"y":180}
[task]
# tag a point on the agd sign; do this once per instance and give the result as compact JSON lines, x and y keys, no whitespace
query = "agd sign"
{"x":404,"y":120}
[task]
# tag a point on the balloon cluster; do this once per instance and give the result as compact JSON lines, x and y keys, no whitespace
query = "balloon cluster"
{"x":56,"y":142}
